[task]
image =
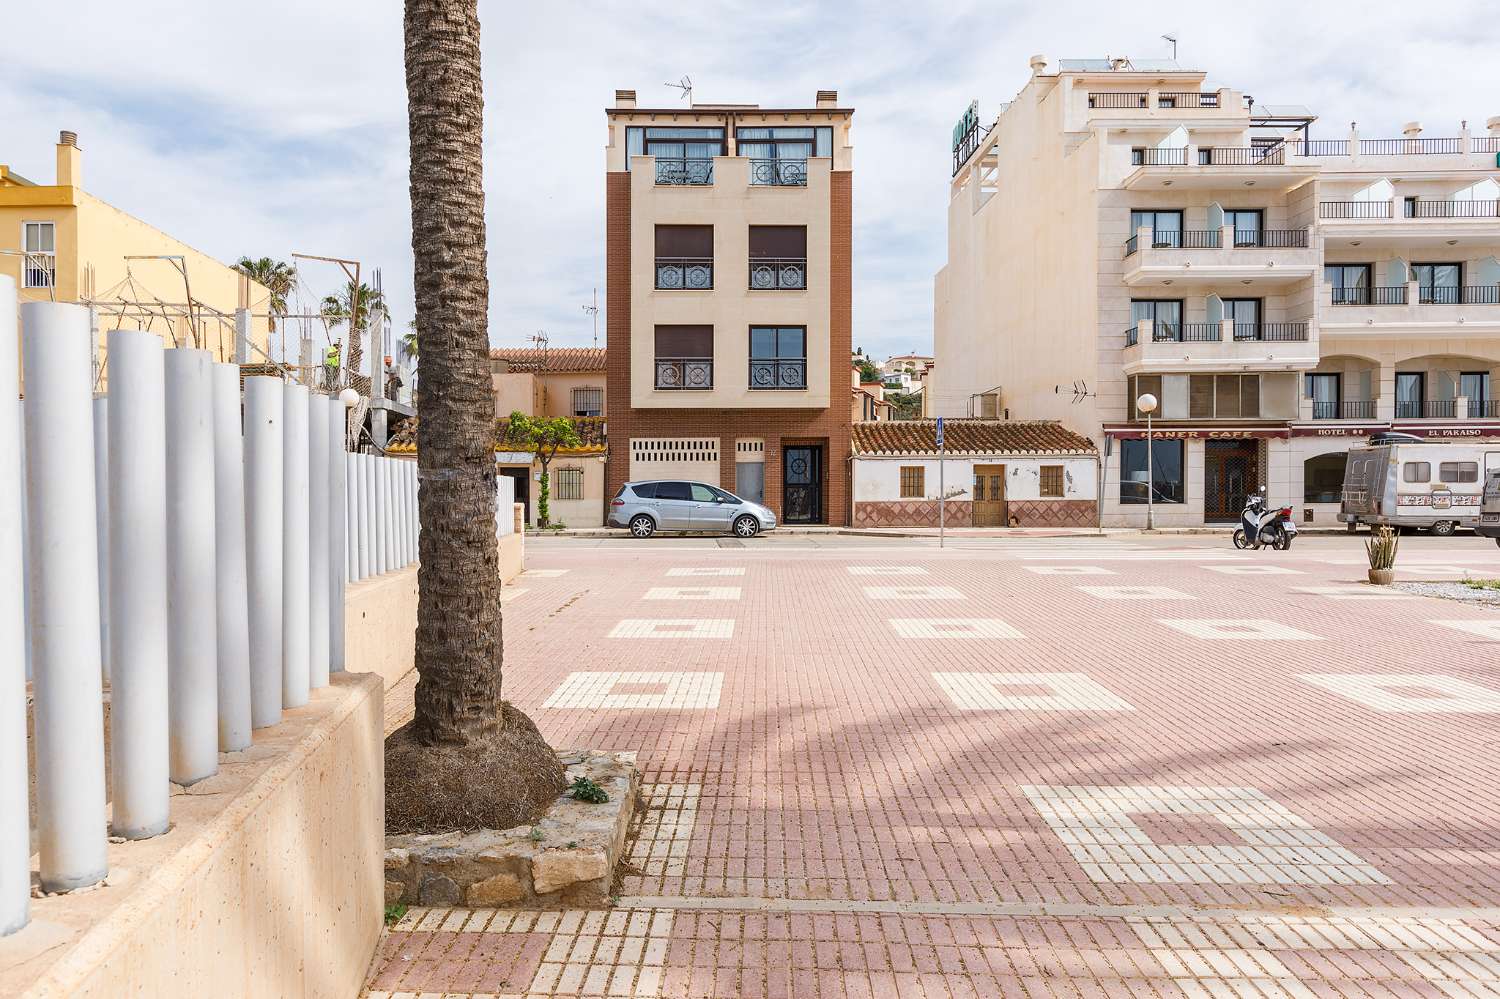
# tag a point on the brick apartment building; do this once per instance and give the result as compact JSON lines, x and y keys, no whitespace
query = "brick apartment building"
{"x":728,"y":259}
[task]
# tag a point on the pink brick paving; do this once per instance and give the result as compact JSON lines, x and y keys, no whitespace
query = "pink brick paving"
{"x":838,"y":826}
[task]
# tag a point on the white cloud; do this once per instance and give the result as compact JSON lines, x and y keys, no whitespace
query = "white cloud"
{"x":282,"y":127}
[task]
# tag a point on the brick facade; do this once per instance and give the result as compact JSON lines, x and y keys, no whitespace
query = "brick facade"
{"x":828,"y":426}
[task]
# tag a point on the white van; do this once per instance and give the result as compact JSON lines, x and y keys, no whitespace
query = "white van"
{"x":1489,"y":513}
{"x":1407,"y":482}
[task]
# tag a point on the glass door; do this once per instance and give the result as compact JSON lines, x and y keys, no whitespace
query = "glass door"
{"x":1165,"y":226}
{"x":1411,"y":393}
{"x":1351,"y":283}
{"x":1326,"y":392}
{"x":802,"y":492}
{"x":1245,"y":313}
{"x":1475,"y":386}
{"x":1246,"y":223}
{"x":1166,"y":314}
{"x":1438,"y":284}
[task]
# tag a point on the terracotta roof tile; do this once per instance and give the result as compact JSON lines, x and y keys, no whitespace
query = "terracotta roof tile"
{"x":966,"y":436}
{"x":558,"y":359}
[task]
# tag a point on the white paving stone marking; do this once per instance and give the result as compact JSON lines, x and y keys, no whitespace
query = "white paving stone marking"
{"x":1136,"y":593}
{"x":886,"y":570}
{"x":693,"y":593}
{"x":509,"y":593}
{"x":1069,"y":570}
{"x":1482,"y":628}
{"x":544,"y":573}
{"x":1097,"y":826}
{"x":1424,"y":693}
{"x":707,"y":571}
{"x":673,"y":628}
{"x":1238,"y":629}
{"x":590,"y":952}
{"x":682,"y":691}
{"x":1357,"y":592}
{"x":1238,"y":956}
{"x":1068,"y":692}
{"x":912,"y":593}
{"x":953,"y":627}
{"x":671,"y":814}
{"x":1253,"y":570}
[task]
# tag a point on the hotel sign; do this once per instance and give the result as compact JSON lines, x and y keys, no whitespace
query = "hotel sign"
{"x":965,"y":136}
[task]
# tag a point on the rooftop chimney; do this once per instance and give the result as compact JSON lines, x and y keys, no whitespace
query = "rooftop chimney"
{"x":1038,"y":65}
{"x":69,"y":160}
{"x":1411,"y":129}
{"x":624,"y":98}
{"x":827,"y":99}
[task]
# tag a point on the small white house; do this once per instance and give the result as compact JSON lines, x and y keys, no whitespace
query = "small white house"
{"x":993,"y":473}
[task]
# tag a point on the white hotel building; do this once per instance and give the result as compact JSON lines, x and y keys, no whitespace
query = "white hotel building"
{"x":1122,"y":230}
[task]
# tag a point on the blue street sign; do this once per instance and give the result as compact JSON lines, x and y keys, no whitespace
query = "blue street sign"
{"x":939,"y":431}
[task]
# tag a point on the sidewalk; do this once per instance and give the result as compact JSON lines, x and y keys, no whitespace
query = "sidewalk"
{"x":1219,"y":530}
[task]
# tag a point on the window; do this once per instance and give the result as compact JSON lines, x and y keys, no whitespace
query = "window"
{"x":913,"y":482}
{"x":685,"y":257}
{"x":1052,"y":481}
{"x":674,"y":491}
{"x":1475,"y":386}
{"x":1145,"y":385}
{"x":778,"y":156}
{"x":1416,"y":471}
{"x":1325,"y":391}
{"x":1205,"y":155}
{"x":1165,"y":226}
{"x":1411,"y":394}
{"x":646,"y":490}
{"x":1458,"y":471}
{"x":684,"y":357}
{"x":778,"y":357}
{"x":1438,"y":284}
{"x":1350,"y":282}
{"x":1166,"y":471}
{"x":1323,"y":478}
{"x":39,"y":241}
{"x":702,"y":493}
{"x":567,"y":484}
{"x":1246,"y":223}
{"x":778,"y":257}
{"x":588,"y":401}
{"x":1245,"y":314}
{"x":1166,"y":314}
{"x":683,"y":155}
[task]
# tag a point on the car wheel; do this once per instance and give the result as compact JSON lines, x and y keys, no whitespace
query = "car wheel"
{"x":1444,"y":528}
{"x":746,"y":527}
{"x":1241,"y":541}
{"x":642,"y":526}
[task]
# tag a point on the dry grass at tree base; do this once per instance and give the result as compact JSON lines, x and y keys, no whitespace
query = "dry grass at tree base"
{"x":510,"y":780}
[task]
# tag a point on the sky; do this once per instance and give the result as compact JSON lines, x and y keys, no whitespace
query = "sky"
{"x":280,"y":127}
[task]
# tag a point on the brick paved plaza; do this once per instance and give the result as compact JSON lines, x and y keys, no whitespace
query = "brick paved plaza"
{"x":1040,"y":767}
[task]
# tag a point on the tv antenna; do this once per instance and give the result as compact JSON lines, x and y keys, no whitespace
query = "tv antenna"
{"x":685,"y":85}
{"x":593,"y":310}
{"x":1080,"y":390}
{"x":539,"y":338}
{"x":1173,"y":40}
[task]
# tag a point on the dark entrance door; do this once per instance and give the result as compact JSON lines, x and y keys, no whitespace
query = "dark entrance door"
{"x":1231,"y":471}
{"x":522,"y":477}
{"x":802,"y":489}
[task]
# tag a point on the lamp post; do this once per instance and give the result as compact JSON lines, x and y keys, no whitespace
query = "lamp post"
{"x":1146,"y":403}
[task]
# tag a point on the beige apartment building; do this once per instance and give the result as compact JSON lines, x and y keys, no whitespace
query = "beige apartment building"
{"x":1283,"y":292}
{"x":729,"y":257}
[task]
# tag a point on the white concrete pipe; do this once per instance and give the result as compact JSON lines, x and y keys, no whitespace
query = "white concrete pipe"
{"x":192,"y":607}
{"x":317,"y":548}
{"x":101,"y":520}
{"x":296,"y":640}
{"x":338,"y":533}
{"x":263,"y":531}
{"x":366,"y":506}
{"x":382,"y":515}
{"x":232,"y":590}
{"x":140,"y":782}
{"x":68,"y":694}
{"x":15,"y":837}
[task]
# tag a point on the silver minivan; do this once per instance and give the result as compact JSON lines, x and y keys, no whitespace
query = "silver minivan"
{"x":673,"y":505}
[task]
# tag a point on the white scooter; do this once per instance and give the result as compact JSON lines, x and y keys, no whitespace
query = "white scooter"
{"x":1260,"y":527}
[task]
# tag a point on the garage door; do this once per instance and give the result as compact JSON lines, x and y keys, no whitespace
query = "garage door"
{"x":693,"y":458}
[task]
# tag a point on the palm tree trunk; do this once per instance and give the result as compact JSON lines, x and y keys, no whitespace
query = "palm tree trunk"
{"x":467,"y":759}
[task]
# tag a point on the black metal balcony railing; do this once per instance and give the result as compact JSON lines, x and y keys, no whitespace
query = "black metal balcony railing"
{"x":1409,"y":147}
{"x":1177,"y":239}
{"x":1132,"y":336}
{"x":1485,"y":409}
{"x":1351,"y":409}
{"x":1274,"y":238}
{"x":684,"y":172}
{"x":1191,"y":99}
{"x":1387,"y":295}
{"x":1107,"y":99}
{"x":1200,"y":332}
{"x":1485,"y":144}
{"x":684,"y":373}
{"x":1323,"y":147}
{"x":778,"y":273}
{"x":778,"y":173}
{"x":1479,"y":294}
{"x":1354,"y":209}
{"x":1420,"y":209}
{"x":685,"y":273}
{"x":1271,"y":332}
{"x":1164,"y":156}
{"x":1132,"y":244}
{"x":1243,"y":155}
{"x":778,"y":373}
{"x":1483,"y":294}
{"x":1426,"y":409}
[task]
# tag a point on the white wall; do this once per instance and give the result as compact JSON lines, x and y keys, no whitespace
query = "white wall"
{"x":878,"y":479}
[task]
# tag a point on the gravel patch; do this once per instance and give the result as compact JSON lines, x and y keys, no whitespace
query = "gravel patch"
{"x":1453,"y":591}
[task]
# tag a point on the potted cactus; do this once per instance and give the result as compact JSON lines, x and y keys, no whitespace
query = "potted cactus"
{"x":1382,"y":552}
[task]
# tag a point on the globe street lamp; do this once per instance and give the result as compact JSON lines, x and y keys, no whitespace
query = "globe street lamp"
{"x":1146,"y":403}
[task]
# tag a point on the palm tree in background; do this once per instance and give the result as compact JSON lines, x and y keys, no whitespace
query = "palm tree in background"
{"x":353,"y":305}
{"x":467,"y":759}
{"x":276,"y":276}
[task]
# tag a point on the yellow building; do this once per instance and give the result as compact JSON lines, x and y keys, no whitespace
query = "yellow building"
{"x":61,"y":243}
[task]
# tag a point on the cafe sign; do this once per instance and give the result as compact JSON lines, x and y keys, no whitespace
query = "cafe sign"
{"x":966,"y":136}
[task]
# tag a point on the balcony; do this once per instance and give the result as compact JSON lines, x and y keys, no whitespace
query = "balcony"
{"x":684,"y":373}
{"x":1270,"y":168}
{"x":1216,"y":256}
{"x":1346,"y":409}
{"x":684,"y":172}
{"x":1398,"y":221}
{"x":778,"y":373}
{"x":684,"y":273}
{"x":778,"y":173}
{"x":1156,"y":346}
{"x":778,"y":274}
{"x":1411,"y":309}
{"x":1426,"y":409}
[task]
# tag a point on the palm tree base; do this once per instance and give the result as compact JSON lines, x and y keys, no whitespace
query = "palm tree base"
{"x":508,"y":779}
